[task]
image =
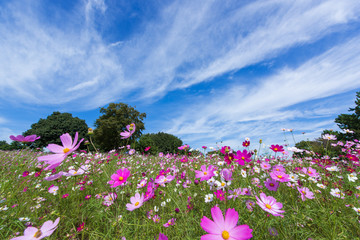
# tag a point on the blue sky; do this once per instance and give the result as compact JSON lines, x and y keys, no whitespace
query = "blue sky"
{"x":205,"y":71}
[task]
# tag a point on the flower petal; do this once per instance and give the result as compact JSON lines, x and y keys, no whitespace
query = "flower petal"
{"x":241,"y":232}
{"x":218,"y":217}
{"x":55,"y":148}
{"x":210,"y":226}
{"x":66,"y":140}
{"x":211,"y":237}
{"x":231,"y":219}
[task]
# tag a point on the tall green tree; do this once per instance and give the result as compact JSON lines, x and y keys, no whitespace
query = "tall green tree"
{"x":350,"y":121}
{"x":113,"y":121}
{"x":56,"y":124}
{"x":160,"y":142}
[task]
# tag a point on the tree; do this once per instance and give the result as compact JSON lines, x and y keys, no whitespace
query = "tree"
{"x":160,"y":142}
{"x":113,"y":121}
{"x":350,"y":121}
{"x":56,"y":124}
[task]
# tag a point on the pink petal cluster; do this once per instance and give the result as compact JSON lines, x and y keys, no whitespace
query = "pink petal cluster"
{"x":277,"y":148}
{"x":220,"y":228}
{"x":61,"y":152}
{"x":270,"y":205}
{"x":280,"y":176}
{"x":32,"y":233}
{"x":130,"y":130}
{"x":305,"y":193}
{"x":20,"y":138}
{"x":136,"y":202}
{"x":119,"y":177}
{"x":206,"y":173}
{"x":242,"y":156}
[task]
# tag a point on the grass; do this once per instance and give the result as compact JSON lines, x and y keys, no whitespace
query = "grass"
{"x":323,"y":217}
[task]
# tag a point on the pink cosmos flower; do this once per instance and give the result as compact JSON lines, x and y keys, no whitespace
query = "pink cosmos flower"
{"x":55,"y":176}
{"x":20,"y":138}
{"x":226,"y":174}
{"x":242,"y":156}
{"x":271,"y":184}
{"x":310,"y":171}
{"x":170,"y":222}
{"x":225,"y":150}
{"x":228,"y":158}
{"x":206,"y":173}
{"x":142,"y":183}
{"x":109,"y":199}
{"x":130,"y":130}
{"x":61,"y":152}
{"x":119,"y":177}
{"x":270,"y":205}
{"x":220,"y":194}
{"x":280,"y":176}
{"x":227,"y":228}
{"x":162,"y":179}
{"x":136,"y":202}
{"x":184,"y":147}
{"x":265,"y":165}
{"x":279,"y":168}
{"x":162,"y":237}
{"x":277,"y":148}
{"x":305,"y":193}
{"x":53,"y":189}
{"x":32,"y":233}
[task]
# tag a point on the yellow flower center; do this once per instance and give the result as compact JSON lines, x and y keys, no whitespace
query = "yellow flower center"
{"x":303,"y":191}
{"x":309,"y":172}
{"x":66,"y":150}
{"x":37,"y":234}
{"x":75,"y":172}
{"x":275,"y":149}
{"x":279,"y":176}
{"x":225,"y":235}
{"x":137,"y":203}
{"x":222,"y":184}
{"x":205,"y":173}
{"x":110,"y":198}
{"x":121,"y":178}
{"x":243,"y":158}
{"x":268,"y":206}
{"x":271,"y":184}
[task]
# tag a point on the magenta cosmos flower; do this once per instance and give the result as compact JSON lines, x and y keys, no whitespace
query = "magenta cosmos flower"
{"x":205,"y":173}
{"x":277,"y":148}
{"x":61,"y":152}
{"x":136,"y":202}
{"x":280,"y":176}
{"x":271,"y":184}
{"x":32,"y":233}
{"x":310,"y":171}
{"x":130,"y":130}
{"x":305,"y":193}
{"x":242,"y":156}
{"x":119,"y":177}
{"x":270,"y":205}
{"x":20,"y":138}
{"x":227,"y":228}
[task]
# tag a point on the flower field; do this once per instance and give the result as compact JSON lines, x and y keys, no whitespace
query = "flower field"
{"x":230,"y":194}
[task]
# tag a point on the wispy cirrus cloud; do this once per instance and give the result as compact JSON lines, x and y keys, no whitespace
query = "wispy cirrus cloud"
{"x":187,"y":43}
{"x":267,"y":103}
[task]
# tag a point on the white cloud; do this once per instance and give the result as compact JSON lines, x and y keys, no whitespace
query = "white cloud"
{"x":258,"y":109}
{"x":5,"y":134}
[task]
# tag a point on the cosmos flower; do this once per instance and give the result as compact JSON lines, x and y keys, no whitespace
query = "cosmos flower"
{"x":220,"y":228}
{"x":225,"y":150}
{"x":242,"y":156}
{"x":32,"y":233}
{"x":61,"y":152}
{"x":130,"y":130}
{"x":20,"y":138}
{"x":226,"y":174}
{"x":277,"y":148}
{"x":206,"y":173}
{"x":280,"y":176}
{"x":305,"y":193}
{"x":310,"y":171}
{"x":119,"y":177}
{"x":271,"y":184}
{"x":136,"y":202}
{"x":269,"y":204}
{"x":246,"y":143}
{"x":265,"y":165}
{"x":162,"y":237}
{"x":170,"y":222}
{"x":329,"y":137}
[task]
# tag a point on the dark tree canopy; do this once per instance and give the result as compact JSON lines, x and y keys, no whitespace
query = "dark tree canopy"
{"x":160,"y":142}
{"x":113,"y":121}
{"x":350,"y":121}
{"x":56,"y":124}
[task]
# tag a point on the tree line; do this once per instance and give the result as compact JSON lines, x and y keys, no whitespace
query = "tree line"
{"x":106,"y":135}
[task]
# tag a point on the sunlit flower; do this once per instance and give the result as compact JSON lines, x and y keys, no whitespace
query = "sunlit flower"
{"x":20,"y":138}
{"x":61,"y":152}
{"x":277,"y":148}
{"x":130,"y":130}
{"x":32,"y":233}
{"x":206,"y":173}
{"x":305,"y":193}
{"x":119,"y":178}
{"x":136,"y":202}
{"x":227,"y":228}
{"x":269,"y":204}
{"x":329,"y":137}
